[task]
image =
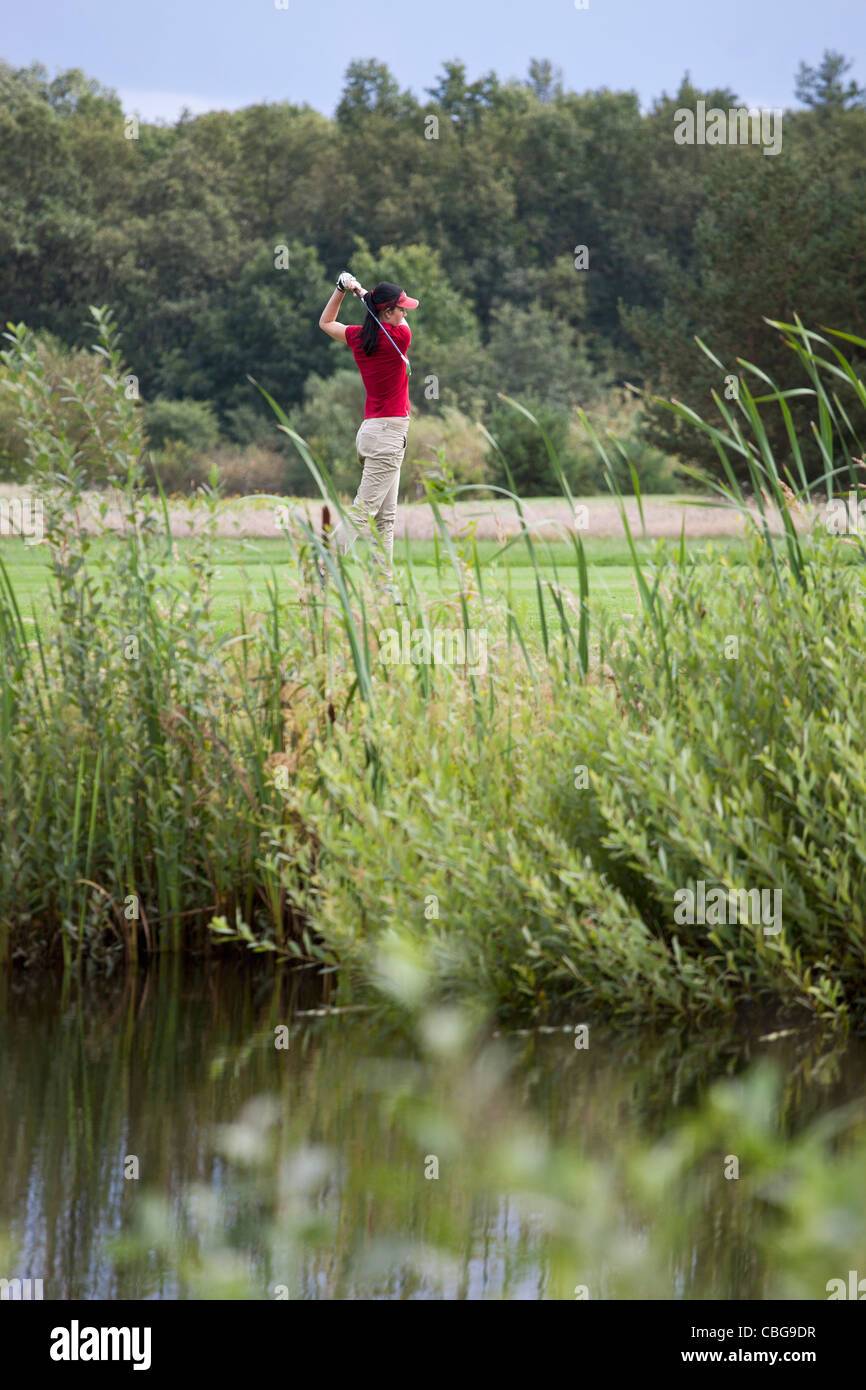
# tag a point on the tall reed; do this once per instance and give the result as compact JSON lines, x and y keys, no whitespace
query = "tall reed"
{"x":529,"y":823}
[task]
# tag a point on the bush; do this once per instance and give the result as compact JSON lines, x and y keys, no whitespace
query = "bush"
{"x":621,"y":415}
{"x":178,"y":466}
{"x":521,"y":442}
{"x":329,"y":420}
{"x":63,"y":413}
{"x":253,"y":469}
{"x":188,"y":422}
{"x":449,"y":437}
{"x":242,"y":472}
{"x":553,"y":890}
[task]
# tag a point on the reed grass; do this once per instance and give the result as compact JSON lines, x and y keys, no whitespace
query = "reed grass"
{"x":165,"y":784}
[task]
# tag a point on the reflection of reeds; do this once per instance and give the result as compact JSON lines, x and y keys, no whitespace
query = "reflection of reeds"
{"x":305,"y":1167}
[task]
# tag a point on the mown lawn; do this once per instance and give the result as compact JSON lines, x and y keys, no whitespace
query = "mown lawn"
{"x":245,"y":568}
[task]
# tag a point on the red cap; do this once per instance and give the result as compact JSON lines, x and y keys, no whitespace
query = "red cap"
{"x":387,"y":295}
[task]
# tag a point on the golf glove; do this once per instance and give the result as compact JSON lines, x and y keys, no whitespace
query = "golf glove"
{"x":346,"y":281}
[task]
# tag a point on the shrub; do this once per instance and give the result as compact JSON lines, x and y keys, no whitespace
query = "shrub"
{"x":520,"y":441}
{"x":253,"y":469}
{"x":188,"y":422}
{"x":62,"y":408}
{"x":620,"y":415}
{"x":178,"y":466}
{"x":450,"y":436}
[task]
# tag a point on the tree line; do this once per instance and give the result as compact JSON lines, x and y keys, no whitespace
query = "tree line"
{"x":562,"y":244}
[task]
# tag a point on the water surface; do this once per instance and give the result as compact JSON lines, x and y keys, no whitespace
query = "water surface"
{"x":158,"y":1144}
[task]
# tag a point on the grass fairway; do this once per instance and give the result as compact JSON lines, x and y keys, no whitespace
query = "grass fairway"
{"x":245,"y":568}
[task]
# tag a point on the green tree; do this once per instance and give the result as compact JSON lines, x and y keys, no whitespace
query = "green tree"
{"x":369,"y":88}
{"x":544,"y":79}
{"x":463,"y":102}
{"x":177,"y":230}
{"x":823,"y":87}
{"x":264,"y":325}
{"x":534,"y":353}
{"x":522,"y":444}
{"x":774,"y":237}
{"x":193,"y":423}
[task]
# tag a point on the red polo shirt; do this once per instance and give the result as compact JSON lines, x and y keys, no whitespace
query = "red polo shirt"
{"x":384,"y":373}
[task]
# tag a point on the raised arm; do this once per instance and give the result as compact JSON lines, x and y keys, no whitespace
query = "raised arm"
{"x":328,"y":321}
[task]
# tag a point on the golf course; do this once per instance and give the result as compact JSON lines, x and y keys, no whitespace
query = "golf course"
{"x":432,"y":656}
{"x":247,"y":564}
{"x":237,"y":712}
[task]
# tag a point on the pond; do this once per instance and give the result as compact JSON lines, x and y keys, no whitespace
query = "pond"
{"x":214,"y":1132}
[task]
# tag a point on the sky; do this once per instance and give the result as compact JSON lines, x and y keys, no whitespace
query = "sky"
{"x":223,"y":54}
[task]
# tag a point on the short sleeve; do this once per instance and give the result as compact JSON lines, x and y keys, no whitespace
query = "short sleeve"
{"x":353,"y":333}
{"x":402,"y":335}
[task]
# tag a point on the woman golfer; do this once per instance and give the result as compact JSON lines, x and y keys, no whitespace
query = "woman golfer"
{"x":379,"y":348}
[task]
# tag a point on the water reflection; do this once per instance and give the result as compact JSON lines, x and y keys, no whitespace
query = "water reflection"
{"x":305,"y":1171}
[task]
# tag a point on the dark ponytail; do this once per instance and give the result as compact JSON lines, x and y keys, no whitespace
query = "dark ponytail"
{"x":370,"y":330}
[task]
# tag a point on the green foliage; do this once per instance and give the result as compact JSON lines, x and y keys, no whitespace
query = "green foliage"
{"x":534,"y":354}
{"x":329,"y":418}
{"x":823,"y":87}
{"x":265,"y":320}
{"x":696,"y":762}
{"x":448,"y":439}
{"x":193,"y":423}
{"x":548,"y":892}
{"x":72,"y":395}
{"x":179,"y":229}
{"x":259,"y":776}
{"x":370,"y":90}
{"x":815,"y":193}
{"x":122,"y":688}
{"x":463,"y":102}
{"x":527,"y":456}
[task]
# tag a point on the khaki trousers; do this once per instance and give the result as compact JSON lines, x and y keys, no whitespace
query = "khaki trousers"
{"x":381,"y":446}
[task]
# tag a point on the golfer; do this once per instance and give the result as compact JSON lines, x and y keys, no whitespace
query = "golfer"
{"x":379,"y":348}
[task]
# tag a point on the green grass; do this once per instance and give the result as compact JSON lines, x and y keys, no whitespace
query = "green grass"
{"x":519,"y":833}
{"x":245,"y":569}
